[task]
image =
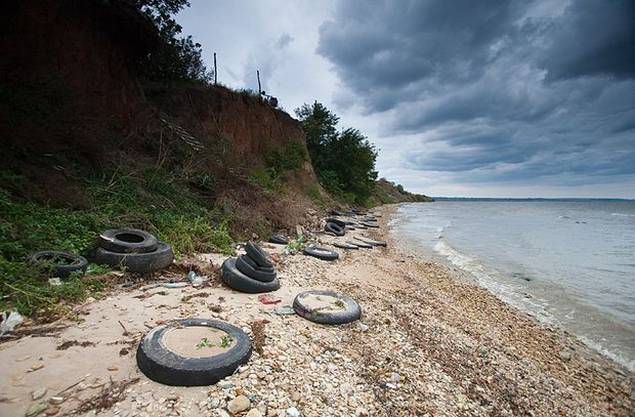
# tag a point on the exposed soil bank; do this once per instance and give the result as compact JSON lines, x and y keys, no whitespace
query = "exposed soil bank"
{"x":428,"y":344}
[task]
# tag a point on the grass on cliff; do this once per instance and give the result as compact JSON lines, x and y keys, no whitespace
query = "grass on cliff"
{"x":151,"y":200}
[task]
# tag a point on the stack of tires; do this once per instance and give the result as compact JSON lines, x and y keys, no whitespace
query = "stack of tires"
{"x":335,"y":226}
{"x":133,"y":250}
{"x":251,"y":273}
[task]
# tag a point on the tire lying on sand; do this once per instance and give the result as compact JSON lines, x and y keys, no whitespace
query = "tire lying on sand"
{"x":335,"y":229}
{"x":256,"y":253}
{"x":247,"y":266}
{"x":321,"y":253}
{"x":345,"y":245}
{"x":158,"y":259}
{"x":367,"y":224}
{"x":279,"y":240}
{"x":192,"y":352}
{"x":370,"y":241}
{"x":360,"y":244}
{"x":235,"y":279}
{"x":326,"y":307}
{"x":127,"y":241}
{"x":59,"y":264}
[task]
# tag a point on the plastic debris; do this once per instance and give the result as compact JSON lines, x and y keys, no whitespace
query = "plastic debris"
{"x":268,"y":299}
{"x":10,"y":321}
{"x":55,"y":281}
{"x":175,"y":284}
{"x":196,"y":280}
{"x":284,"y":311}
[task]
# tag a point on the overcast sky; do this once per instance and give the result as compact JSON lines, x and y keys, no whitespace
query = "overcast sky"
{"x":461,"y":97}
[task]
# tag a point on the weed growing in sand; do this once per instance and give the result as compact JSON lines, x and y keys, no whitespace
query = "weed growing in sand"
{"x":226,"y":341}
{"x":204,"y":343}
{"x":296,"y":245}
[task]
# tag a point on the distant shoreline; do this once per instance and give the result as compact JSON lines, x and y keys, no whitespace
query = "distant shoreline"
{"x":536,"y":199}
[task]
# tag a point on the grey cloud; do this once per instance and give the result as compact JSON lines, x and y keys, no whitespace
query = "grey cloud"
{"x":494,"y":93}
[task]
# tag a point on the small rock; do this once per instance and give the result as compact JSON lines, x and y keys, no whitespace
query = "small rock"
{"x":238,"y":404}
{"x":346,"y":389}
{"x":52,"y":410}
{"x":35,"y":409}
{"x":113,"y":368}
{"x":293,"y":412}
{"x":35,"y":367}
{"x":362,"y":327}
{"x":565,"y":356}
{"x":56,"y":400}
{"x":38,"y":393}
{"x":395,"y":377}
{"x":254,"y":412}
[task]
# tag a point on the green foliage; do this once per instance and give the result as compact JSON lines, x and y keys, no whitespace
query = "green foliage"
{"x":297,"y":245}
{"x":290,"y":158}
{"x":344,"y":162}
{"x":313,"y":192}
{"x":153,"y":200}
{"x":175,"y":58}
{"x":278,"y":163}
{"x":263,"y":178}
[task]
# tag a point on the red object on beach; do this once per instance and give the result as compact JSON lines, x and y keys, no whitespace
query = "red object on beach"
{"x":267,"y":299}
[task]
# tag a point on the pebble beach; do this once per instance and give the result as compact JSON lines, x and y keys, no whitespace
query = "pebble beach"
{"x":429,"y":343}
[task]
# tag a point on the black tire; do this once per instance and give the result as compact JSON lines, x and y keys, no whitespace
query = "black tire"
{"x":370,"y":241}
{"x":254,"y":265}
{"x":360,"y":244}
{"x":262,"y":275}
{"x":166,"y":367}
{"x":256,"y":253}
{"x":340,"y":223}
{"x":279,"y":240}
{"x":370,"y":225}
{"x":161,"y":258}
{"x":321,"y":253}
{"x":59,"y":264}
{"x":351,"y":313}
{"x":345,"y":245}
{"x":335,"y":229}
{"x":127,"y":241}
{"x":235,"y":279}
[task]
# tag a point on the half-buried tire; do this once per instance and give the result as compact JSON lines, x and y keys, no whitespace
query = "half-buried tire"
{"x":59,"y":264}
{"x":160,"y":258}
{"x":279,"y":240}
{"x":321,"y":253}
{"x":360,"y":244}
{"x":248,"y":267}
{"x":370,"y":241}
{"x":235,"y":279}
{"x":326,"y":307}
{"x":345,"y":245}
{"x":192,"y":352}
{"x":256,"y":253}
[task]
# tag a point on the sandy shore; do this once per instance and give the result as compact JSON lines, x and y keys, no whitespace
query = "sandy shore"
{"x":428,"y":344}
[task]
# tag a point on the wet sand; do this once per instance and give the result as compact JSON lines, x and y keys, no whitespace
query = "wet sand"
{"x":429,"y":344}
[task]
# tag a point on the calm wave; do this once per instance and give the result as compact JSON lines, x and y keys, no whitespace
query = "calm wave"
{"x":567,"y":263}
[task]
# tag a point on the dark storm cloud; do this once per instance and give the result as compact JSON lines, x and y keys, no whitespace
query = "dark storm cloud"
{"x":497,"y":90}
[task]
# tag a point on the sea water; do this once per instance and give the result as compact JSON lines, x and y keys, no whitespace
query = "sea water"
{"x":568,"y":263}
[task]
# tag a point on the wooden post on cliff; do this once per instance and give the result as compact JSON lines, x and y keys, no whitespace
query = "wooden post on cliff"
{"x":259,"y":88}
{"x":215,"y":71}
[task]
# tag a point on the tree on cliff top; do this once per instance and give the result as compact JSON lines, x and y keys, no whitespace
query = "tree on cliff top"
{"x":176,"y":58}
{"x":343,"y":161}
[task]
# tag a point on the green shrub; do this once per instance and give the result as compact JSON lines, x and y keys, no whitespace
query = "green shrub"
{"x":155,"y":201}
